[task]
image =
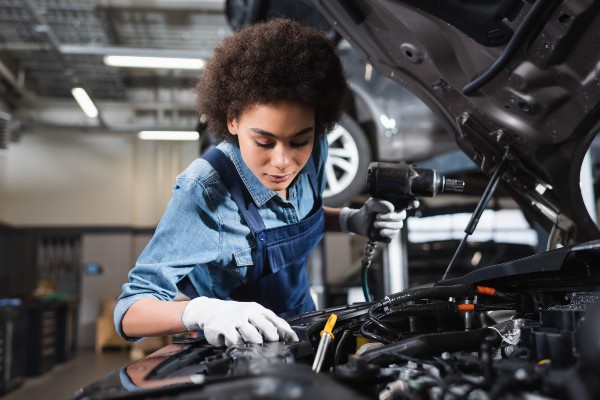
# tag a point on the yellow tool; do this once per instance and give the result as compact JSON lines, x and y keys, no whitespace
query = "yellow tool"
{"x":326,"y":338}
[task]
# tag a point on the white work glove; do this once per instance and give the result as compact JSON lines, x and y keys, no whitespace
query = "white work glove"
{"x":358,"y":221}
{"x":232,"y":322}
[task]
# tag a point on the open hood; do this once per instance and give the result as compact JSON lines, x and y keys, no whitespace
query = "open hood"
{"x":508,"y":78}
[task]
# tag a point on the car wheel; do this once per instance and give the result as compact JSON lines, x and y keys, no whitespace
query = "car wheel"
{"x":347,"y":163}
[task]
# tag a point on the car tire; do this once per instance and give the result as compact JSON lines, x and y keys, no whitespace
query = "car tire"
{"x":347,"y":163}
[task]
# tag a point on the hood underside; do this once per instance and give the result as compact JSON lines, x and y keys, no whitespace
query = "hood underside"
{"x":508,"y":78}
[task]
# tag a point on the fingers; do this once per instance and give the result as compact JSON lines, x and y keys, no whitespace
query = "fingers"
{"x":378,"y":206}
{"x":267,"y":329}
{"x":252,"y":324}
{"x":389,"y":224}
{"x":389,"y":233}
{"x":242,"y":332}
{"x":392,"y":216}
{"x":397,"y":225}
{"x":284,"y":330}
{"x":287,"y":334}
{"x":252,"y":333}
{"x":223,"y":337}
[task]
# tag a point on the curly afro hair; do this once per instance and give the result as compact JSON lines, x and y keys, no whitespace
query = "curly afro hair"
{"x":268,"y":62}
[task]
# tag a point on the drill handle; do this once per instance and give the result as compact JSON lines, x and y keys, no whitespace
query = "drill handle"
{"x":400,"y":203}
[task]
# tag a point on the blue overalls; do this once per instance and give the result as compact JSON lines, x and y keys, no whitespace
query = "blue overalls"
{"x":279,"y":280}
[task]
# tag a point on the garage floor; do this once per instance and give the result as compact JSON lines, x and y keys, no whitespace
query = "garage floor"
{"x":64,"y":379}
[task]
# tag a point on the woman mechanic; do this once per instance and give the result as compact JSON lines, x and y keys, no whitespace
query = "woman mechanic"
{"x":243,"y":219}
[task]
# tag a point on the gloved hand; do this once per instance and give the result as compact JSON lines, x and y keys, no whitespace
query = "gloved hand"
{"x":358,"y":221}
{"x":232,"y":322}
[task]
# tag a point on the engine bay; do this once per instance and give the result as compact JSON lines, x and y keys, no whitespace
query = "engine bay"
{"x":530,"y":334}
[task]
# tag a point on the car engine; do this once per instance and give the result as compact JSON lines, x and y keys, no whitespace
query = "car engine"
{"x":526,"y":329}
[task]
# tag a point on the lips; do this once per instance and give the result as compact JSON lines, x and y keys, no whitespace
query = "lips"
{"x":279,"y":178}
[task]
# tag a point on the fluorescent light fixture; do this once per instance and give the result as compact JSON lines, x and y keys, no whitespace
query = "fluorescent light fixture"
{"x":154,"y":62}
{"x":169,"y":135}
{"x":84,"y":101}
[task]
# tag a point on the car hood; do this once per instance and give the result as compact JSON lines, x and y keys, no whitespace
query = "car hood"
{"x":508,"y":78}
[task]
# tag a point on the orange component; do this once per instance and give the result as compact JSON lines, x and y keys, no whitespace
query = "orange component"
{"x":465,"y":307}
{"x":485,"y":290}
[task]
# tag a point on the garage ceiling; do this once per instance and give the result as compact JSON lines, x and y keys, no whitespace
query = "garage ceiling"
{"x":47,"y":47}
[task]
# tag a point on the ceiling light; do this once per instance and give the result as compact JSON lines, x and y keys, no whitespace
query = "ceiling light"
{"x":154,"y":62}
{"x":84,"y":101}
{"x":169,"y":135}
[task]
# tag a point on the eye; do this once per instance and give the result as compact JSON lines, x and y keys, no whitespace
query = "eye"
{"x":300,"y":144}
{"x":264,"y":145}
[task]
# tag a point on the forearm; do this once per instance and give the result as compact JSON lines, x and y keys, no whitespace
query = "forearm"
{"x":332,"y":219}
{"x":153,"y":317}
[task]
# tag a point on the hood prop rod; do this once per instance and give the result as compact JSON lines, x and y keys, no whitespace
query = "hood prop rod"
{"x":481,"y":206}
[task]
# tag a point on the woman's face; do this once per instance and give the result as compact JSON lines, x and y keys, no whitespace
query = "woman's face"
{"x":276,"y":141}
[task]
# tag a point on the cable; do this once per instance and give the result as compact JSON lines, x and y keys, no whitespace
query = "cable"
{"x":367,"y":259}
{"x":434,"y":292}
{"x":338,"y":348}
{"x":529,"y":21}
{"x":375,"y":320}
{"x":373,"y":336}
{"x":436,"y":307}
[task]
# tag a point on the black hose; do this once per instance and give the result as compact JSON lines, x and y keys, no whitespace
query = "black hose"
{"x":522,"y":31}
{"x":371,"y":335}
{"x":338,"y":348}
{"x":364,"y":279}
{"x":375,"y":319}
{"x":435,"y":292}
{"x":437,"y":307}
{"x":432,"y":344}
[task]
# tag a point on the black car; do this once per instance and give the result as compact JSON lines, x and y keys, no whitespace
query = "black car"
{"x":517,"y":84}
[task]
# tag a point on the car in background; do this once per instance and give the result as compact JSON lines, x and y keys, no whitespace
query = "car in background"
{"x":382,"y":120}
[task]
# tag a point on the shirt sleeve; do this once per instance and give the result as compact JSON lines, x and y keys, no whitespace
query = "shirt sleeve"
{"x":186,"y":237}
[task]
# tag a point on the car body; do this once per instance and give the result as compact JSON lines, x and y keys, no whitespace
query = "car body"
{"x":517,"y":85}
{"x":536,"y":97}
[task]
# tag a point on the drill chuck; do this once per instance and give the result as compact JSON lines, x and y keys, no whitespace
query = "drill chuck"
{"x":453,"y":185}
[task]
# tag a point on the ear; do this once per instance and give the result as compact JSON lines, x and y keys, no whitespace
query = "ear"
{"x":232,"y":125}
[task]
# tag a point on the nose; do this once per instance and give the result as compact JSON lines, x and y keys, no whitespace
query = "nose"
{"x":281,"y":157}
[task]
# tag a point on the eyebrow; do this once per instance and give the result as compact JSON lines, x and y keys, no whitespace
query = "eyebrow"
{"x":274,"y":136}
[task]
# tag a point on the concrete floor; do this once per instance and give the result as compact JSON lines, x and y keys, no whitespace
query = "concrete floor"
{"x":64,"y":379}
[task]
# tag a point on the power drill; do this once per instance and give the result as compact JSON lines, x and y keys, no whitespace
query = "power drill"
{"x":402,"y":183}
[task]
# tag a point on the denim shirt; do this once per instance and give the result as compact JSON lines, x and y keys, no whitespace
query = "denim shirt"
{"x":203,"y":236}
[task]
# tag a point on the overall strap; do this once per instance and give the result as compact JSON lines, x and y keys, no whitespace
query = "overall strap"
{"x":312,"y":177}
{"x":234,"y":184}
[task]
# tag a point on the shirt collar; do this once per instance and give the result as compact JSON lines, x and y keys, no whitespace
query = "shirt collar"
{"x":259,"y":192}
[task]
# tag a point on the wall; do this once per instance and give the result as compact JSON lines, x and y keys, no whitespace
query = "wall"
{"x":85,"y":179}
{"x":67,"y":179}
{"x":92,"y":180}
{"x":116,"y":253}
